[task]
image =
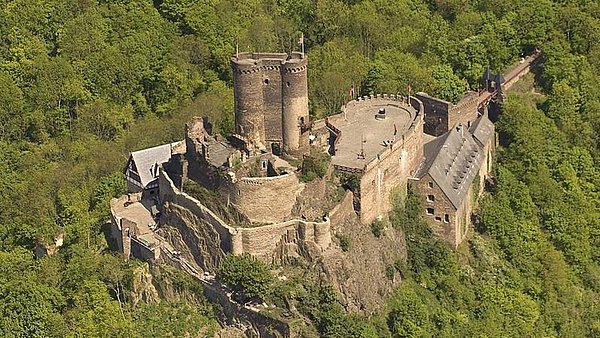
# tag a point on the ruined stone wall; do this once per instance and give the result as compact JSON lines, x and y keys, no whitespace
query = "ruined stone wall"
{"x":272,"y":242}
{"x":390,"y":170}
{"x":121,"y":229}
{"x":141,"y":251}
{"x":169,"y":193}
{"x":436,"y":114}
{"x":267,"y":327}
{"x":465,"y":111}
{"x":441,"y":115}
{"x":342,"y":211}
{"x":264,"y":199}
{"x":268,"y":242}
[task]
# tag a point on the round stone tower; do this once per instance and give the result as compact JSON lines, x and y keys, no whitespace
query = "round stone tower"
{"x":271,"y":100}
{"x":294,"y":101}
{"x":248,"y":100}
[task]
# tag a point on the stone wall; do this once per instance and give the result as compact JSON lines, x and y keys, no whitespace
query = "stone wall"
{"x":144,"y":252}
{"x":268,"y":242}
{"x":441,"y":115}
{"x":271,"y":243}
{"x":465,"y":111}
{"x":169,"y":193}
{"x":436,"y":114}
{"x":434,"y":198}
{"x":264,"y":199}
{"x":391,"y":169}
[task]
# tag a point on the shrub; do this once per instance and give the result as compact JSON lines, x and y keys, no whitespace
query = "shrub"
{"x":377,"y":227}
{"x":243,"y":274}
{"x":344,"y":242}
{"x":314,"y":166}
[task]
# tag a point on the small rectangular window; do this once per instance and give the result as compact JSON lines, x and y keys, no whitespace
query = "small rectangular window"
{"x":430,"y":198}
{"x":430,"y":184}
{"x":438,"y":219}
{"x":430,"y":211}
{"x":446,"y":218}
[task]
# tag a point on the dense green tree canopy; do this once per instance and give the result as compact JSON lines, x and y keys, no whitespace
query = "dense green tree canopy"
{"x":82,"y":83}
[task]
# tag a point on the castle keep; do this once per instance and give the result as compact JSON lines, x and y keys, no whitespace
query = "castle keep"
{"x":271,"y":100}
{"x":244,"y":195}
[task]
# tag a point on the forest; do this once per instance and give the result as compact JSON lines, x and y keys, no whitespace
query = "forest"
{"x":84,"y":82}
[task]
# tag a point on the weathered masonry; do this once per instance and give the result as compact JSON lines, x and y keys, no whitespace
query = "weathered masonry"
{"x":271,"y":100}
{"x":452,"y":176}
{"x":379,"y":139}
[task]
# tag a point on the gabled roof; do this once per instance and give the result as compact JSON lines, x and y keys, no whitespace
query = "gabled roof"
{"x":148,"y":160}
{"x":452,"y":160}
{"x":482,"y":129}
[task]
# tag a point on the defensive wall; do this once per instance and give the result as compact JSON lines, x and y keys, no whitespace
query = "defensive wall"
{"x":267,"y":242}
{"x":125,"y":232}
{"x":390,"y":170}
{"x":393,"y":165}
{"x":441,"y":115}
{"x":521,"y":70}
{"x":264,"y":199}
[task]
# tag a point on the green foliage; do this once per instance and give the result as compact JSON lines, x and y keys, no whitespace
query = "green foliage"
{"x":251,"y":278}
{"x":344,"y":241}
{"x":172,"y":320}
{"x":314,"y":166}
{"x":84,"y":83}
{"x":377,"y":227}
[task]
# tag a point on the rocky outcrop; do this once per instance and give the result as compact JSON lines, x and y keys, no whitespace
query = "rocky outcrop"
{"x":43,"y":249}
{"x":142,"y":288}
{"x":194,"y":239}
{"x":364,"y":275}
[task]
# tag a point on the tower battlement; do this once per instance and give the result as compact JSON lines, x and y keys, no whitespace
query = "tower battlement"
{"x":271,"y":99}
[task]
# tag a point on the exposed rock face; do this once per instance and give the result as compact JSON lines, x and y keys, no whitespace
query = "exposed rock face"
{"x":43,"y":249}
{"x":365,"y":274}
{"x":196,"y":240}
{"x":142,"y":288}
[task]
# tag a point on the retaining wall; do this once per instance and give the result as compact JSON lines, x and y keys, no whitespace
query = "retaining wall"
{"x":263,"y":242}
{"x":265,"y":199}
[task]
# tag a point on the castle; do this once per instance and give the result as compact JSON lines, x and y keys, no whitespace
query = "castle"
{"x":247,"y":196}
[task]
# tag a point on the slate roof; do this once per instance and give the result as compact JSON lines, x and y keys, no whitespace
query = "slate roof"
{"x":482,"y":129}
{"x":218,"y":153}
{"x":147,"y":161}
{"x":453,"y":160}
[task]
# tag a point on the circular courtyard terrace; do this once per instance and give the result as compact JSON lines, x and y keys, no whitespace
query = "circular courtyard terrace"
{"x":368,"y":127}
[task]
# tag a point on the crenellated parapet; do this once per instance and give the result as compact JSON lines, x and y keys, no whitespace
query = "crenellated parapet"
{"x":271,"y":99}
